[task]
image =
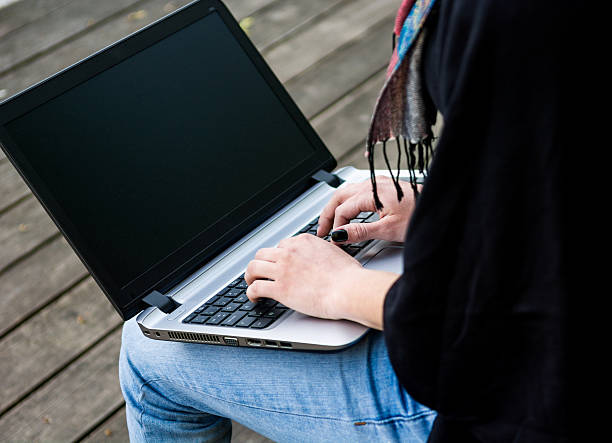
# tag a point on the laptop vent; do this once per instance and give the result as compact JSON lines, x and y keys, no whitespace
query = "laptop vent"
{"x":191,"y":336}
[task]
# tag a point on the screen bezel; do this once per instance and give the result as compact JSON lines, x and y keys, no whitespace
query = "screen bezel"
{"x":195,"y":253}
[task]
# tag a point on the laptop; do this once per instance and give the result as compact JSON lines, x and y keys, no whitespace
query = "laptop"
{"x":167,"y":160}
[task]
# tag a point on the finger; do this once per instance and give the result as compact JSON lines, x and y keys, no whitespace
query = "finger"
{"x":326,"y":217}
{"x":262,"y":289}
{"x":358,"y":232}
{"x":352,"y":207}
{"x":260,"y":269}
{"x":269,"y":254}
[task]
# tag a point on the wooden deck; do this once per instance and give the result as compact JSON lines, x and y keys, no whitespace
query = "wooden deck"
{"x":59,"y":337}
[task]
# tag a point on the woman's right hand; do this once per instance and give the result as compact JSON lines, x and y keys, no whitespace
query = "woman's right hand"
{"x":348,"y":201}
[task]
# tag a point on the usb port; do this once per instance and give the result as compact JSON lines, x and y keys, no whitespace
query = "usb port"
{"x":271,"y":344}
{"x":253,"y":342}
{"x":286,"y":345}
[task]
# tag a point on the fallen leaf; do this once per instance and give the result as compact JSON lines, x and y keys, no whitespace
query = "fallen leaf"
{"x":246,"y":24}
{"x":137,"y":15}
{"x":108,"y":432}
{"x":23,"y":227}
{"x":80,"y":320}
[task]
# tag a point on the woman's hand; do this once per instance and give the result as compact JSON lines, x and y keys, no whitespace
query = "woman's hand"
{"x":352,"y":199}
{"x":317,"y":278}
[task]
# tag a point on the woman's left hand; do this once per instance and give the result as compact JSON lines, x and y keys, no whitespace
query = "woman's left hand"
{"x":305,"y":273}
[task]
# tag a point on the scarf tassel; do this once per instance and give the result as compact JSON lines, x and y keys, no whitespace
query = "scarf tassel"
{"x":418,"y":156}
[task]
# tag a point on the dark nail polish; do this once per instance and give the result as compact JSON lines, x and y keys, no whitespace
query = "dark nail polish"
{"x":339,"y":235}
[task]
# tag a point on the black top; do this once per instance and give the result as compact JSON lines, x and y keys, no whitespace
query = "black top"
{"x":476,"y":325}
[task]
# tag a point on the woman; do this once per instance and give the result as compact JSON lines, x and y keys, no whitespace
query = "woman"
{"x":472,"y":347}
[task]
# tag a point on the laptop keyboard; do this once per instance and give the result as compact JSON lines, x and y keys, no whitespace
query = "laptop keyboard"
{"x":230,"y":307}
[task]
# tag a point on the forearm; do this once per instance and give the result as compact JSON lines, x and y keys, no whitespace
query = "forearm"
{"x":363,"y":298}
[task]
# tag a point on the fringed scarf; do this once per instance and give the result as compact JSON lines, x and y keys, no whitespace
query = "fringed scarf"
{"x":401,"y":108}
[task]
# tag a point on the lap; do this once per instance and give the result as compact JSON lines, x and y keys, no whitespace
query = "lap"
{"x":286,"y":395}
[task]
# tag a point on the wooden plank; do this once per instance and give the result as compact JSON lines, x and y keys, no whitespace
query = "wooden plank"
{"x":12,"y":187}
{"x":71,"y":402}
{"x":56,"y":335}
{"x":61,"y":24}
{"x":243,"y":8}
{"x":268,"y":25}
{"x":37,"y":280}
{"x":346,"y":122}
{"x":242,"y":434}
{"x":99,"y":36}
{"x":22,"y":229}
{"x":324,"y":37}
{"x":113,"y":430}
{"x":331,"y":78}
{"x":22,"y":12}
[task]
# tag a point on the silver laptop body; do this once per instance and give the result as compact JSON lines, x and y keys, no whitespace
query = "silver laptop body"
{"x":293,"y":330}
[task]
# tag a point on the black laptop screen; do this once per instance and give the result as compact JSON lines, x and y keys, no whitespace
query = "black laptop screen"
{"x":152,"y":152}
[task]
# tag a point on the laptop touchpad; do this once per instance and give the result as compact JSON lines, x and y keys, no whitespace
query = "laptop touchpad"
{"x":390,"y":258}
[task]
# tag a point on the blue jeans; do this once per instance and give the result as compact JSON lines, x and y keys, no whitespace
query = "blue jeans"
{"x":189,"y":392}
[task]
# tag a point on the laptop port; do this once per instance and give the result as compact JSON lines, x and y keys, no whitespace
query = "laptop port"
{"x":286,"y":345}
{"x":253,"y":342}
{"x":232,"y":341}
{"x":158,"y":334}
{"x":271,"y":344}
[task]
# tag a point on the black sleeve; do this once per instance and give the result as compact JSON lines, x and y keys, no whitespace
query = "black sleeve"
{"x":475,"y":326}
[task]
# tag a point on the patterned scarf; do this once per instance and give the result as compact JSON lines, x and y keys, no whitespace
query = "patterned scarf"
{"x":401,"y":109}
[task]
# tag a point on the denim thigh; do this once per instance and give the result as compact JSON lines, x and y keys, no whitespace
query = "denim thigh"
{"x":347,"y":395}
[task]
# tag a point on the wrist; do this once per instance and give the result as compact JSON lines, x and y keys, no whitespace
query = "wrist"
{"x":362,"y":297}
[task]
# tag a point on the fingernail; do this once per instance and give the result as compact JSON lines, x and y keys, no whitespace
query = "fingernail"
{"x":339,"y":235}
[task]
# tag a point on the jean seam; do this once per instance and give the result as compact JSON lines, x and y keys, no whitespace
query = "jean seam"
{"x":141,"y":396}
{"x":371,"y":421}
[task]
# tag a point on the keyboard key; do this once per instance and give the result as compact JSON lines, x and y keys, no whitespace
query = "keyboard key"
{"x":242,"y":298}
{"x":200,"y":319}
{"x":351,"y":251}
{"x":246,"y":321}
{"x":242,"y":285}
{"x":210,"y":310}
{"x":274,"y":313}
{"x":213,"y":300}
{"x":238,"y":280}
{"x":233,"y":319}
{"x":222,"y":301}
{"x":364,"y":215}
{"x":190,"y":317}
{"x":231,"y":307}
{"x":261,"y":323}
{"x":247,"y":306}
{"x":222,"y":291}
{"x":258,"y":311}
{"x":217,"y":318}
{"x":233,"y":292}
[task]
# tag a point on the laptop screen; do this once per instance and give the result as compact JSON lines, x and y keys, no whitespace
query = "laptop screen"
{"x":158,"y":149}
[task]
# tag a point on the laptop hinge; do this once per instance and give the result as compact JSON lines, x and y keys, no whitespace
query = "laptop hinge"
{"x":161,"y":301}
{"x":331,"y":179}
